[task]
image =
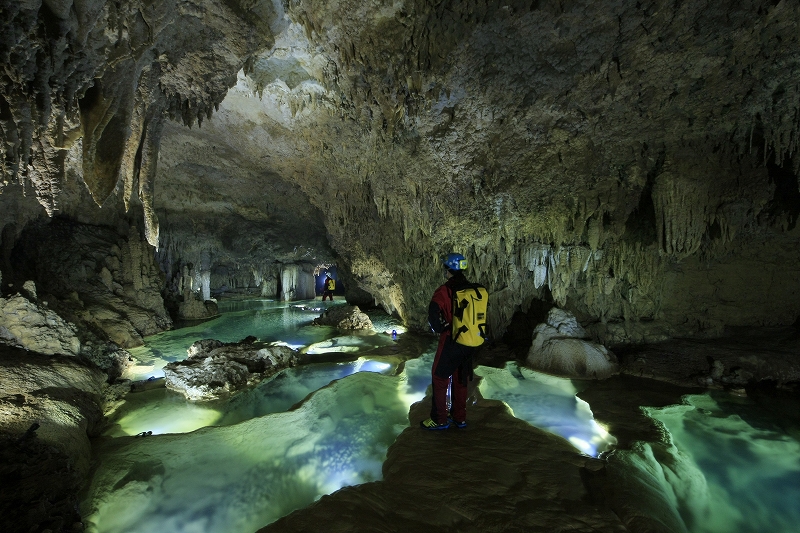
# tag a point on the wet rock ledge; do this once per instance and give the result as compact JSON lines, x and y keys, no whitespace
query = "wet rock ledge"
{"x":498,"y":474}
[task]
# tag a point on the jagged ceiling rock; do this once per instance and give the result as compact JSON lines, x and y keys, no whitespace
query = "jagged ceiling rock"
{"x":605,"y":155}
{"x":218,"y":196}
{"x":121,"y":67}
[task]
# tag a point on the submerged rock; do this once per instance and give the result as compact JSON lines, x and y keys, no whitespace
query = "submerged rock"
{"x":559,"y":348}
{"x":214,"y":369}
{"x":344,"y":317}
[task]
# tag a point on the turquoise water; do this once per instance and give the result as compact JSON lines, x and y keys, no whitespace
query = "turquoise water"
{"x":547,"y":402}
{"x":238,"y":464}
{"x":241,"y":463}
{"x":164,"y":411}
{"x":267,"y":320}
{"x":730,"y":465}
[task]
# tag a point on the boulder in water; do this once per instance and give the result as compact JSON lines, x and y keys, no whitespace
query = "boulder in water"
{"x":344,"y":317}
{"x":214,"y":369}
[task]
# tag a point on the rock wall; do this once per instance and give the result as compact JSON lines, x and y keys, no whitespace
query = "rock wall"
{"x":297,"y":282}
{"x":106,"y":284}
{"x":623,"y":155}
{"x":50,"y":407}
{"x":111,"y":74}
{"x":26,"y":325}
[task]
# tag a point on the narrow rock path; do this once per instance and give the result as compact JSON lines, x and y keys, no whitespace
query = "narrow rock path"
{"x":499,"y":474}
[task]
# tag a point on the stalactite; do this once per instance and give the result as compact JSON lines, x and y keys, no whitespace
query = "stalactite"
{"x":147,"y":173}
{"x":682,"y":213}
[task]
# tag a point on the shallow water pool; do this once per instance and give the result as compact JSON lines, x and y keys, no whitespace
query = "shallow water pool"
{"x":238,"y":464}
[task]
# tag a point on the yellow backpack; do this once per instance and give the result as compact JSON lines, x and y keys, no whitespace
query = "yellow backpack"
{"x":469,"y":314}
{"x":331,"y":284}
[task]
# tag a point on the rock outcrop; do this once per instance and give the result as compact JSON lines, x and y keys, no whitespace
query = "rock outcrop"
{"x":49,"y":407}
{"x":95,"y":278}
{"x":559,"y":347}
{"x":193,"y":309}
{"x":214,"y":369}
{"x":27,"y":325}
{"x":344,"y":317}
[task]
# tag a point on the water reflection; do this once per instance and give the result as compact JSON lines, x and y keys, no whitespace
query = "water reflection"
{"x":268,"y":320}
{"x":305,"y":432}
{"x":166,"y":411}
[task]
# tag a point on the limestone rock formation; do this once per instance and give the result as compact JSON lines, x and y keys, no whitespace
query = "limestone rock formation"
{"x":195,"y":309}
{"x":559,"y":348}
{"x":598,"y":156}
{"x":561,"y":188}
{"x":95,"y":278}
{"x":120,"y":85}
{"x":49,"y":406}
{"x":633,"y":163}
{"x":344,"y":317}
{"x":25,"y":324}
{"x":214,"y":369}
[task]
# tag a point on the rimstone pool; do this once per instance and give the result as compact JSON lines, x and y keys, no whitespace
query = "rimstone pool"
{"x":238,"y":464}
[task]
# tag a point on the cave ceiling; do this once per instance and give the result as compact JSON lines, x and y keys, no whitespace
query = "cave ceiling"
{"x":608,"y":155}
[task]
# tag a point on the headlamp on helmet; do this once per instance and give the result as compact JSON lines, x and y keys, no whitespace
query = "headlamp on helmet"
{"x":454,"y":262}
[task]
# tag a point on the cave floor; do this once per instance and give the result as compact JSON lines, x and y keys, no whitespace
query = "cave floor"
{"x":501,"y":473}
{"x":498,"y":474}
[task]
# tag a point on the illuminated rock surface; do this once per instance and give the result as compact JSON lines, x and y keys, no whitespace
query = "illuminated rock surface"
{"x":27,"y":325}
{"x":559,"y":348}
{"x":712,"y":463}
{"x":344,"y":317}
{"x":601,"y":156}
{"x":236,"y":478}
{"x":498,"y":474}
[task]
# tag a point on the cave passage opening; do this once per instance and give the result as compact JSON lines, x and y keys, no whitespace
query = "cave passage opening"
{"x":319,"y":280}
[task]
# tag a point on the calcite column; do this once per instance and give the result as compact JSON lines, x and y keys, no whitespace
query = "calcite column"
{"x":205,"y":284}
{"x":297,"y":283}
